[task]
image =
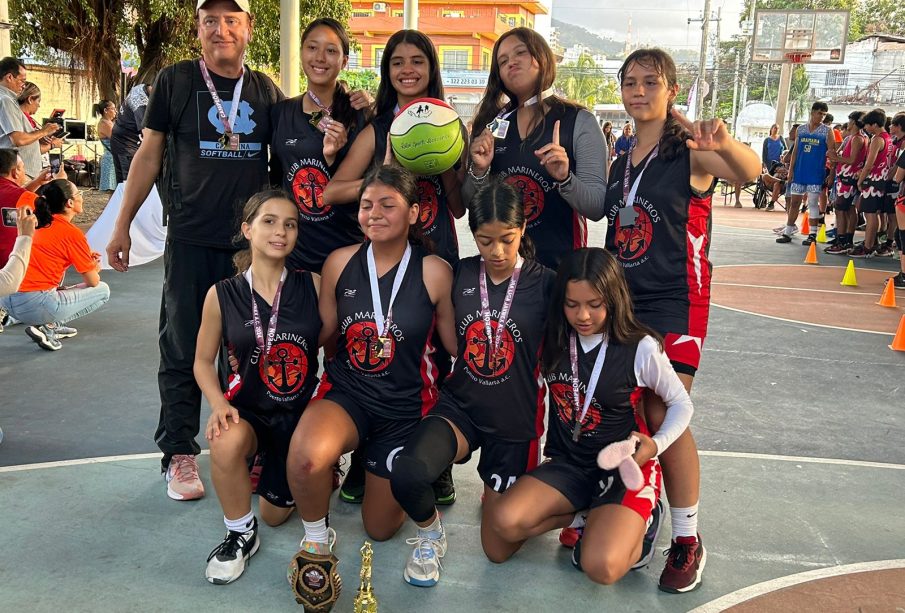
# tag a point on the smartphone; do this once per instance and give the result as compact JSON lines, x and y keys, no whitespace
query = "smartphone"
{"x":58,"y":113}
{"x":63,"y":135}
{"x":55,"y":165}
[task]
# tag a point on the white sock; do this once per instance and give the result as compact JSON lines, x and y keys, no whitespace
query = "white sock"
{"x":684,"y":521}
{"x":434,"y":526}
{"x":316,"y":531}
{"x":243,"y":524}
{"x":579,"y":520}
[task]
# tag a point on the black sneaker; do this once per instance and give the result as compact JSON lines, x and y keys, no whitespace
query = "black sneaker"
{"x":226,"y":563}
{"x":444,"y":488}
{"x":44,"y":337}
{"x":576,"y":551}
{"x":810,"y":240}
{"x":837,"y":249}
{"x":898,"y":281}
{"x":770,"y":207}
{"x":353,"y":489}
{"x":860,"y":251}
{"x":650,"y":536}
{"x":784,"y":238}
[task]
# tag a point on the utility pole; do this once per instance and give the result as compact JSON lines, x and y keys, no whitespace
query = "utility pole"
{"x":714,"y":91}
{"x":702,"y":64}
{"x":746,"y":60}
{"x":290,"y":43}
{"x":410,"y":14}
{"x":5,"y":29}
{"x":735,"y":95}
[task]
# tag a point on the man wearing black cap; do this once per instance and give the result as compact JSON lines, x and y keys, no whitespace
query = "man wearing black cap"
{"x":210,"y":116}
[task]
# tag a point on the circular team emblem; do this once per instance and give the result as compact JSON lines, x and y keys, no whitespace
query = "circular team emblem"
{"x":285,"y":369}
{"x":430,"y":204}
{"x":561,"y":393}
{"x":308,"y":188}
{"x":478,"y":349}
{"x":634,"y":240}
{"x":532,"y":195}
{"x":313,"y":578}
{"x":364,"y":347}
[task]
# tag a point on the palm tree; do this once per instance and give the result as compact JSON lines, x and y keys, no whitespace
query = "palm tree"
{"x":583,"y":83}
{"x":799,"y":94}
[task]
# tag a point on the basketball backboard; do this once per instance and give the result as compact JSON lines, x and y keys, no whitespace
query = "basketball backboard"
{"x":812,"y":37}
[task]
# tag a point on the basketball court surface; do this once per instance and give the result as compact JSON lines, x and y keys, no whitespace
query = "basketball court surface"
{"x":799,"y":418}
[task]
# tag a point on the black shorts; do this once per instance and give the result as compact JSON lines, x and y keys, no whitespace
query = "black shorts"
{"x":379,"y":438}
{"x":889,"y":204}
{"x":501,"y":462}
{"x":845,"y":203}
{"x":274,"y":432}
{"x":589,"y":488}
{"x":873,"y":204}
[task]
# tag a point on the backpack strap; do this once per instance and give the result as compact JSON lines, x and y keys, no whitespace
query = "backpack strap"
{"x":168,"y":183}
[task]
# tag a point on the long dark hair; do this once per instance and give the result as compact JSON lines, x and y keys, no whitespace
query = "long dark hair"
{"x":341,"y":109}
{"x":499,"y":201}
{"x":242,"y":259}
{"x":98,"y":109}
{"x":52,"y":200}
{"x":672,"y":143}
{"x":406,"y":184}
{"x":387,"y":97}
{"x":496,"y":92}
{"x":604,"y":274}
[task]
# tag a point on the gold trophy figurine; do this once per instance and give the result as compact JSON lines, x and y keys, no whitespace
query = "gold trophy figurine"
{"x":365,"y":601}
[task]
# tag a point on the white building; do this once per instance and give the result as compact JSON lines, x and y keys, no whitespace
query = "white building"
{"x":873,"y":73}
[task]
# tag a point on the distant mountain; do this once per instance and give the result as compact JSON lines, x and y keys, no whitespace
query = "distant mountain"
{"x":576,"y":35}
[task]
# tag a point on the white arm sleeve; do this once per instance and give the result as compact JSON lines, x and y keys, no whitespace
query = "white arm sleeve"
{"x":12,"y":274}
{"x":654,"y":371}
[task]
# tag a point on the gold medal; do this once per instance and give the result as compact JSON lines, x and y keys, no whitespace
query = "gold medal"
{"x":316,"y":118}
{"x":384,"y":347}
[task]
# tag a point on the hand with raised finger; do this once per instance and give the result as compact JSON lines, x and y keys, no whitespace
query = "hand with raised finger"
{"x":554,"y":158}
{"x":335,"y":138}
{"x":221,"y":415}
{"x":706,"y":134}
{"x":481,"y":151}
{"x":360,"y":99}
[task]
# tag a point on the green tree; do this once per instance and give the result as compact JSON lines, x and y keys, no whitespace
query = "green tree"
{"x":799,"y":93}
{"x":855,"y":24}
{"x":883,"y":16}
{"x":586,"y":84}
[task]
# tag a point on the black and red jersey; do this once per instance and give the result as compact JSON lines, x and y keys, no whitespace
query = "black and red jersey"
{"x":287,"y":379}
{"x":663,"y":244}
{"x":611,"y":414}
{"x":403,"y":385}
{"x":554,"y":226}
{"x":304,"y":172}
{"x":437,"y":222}
{"x":503,"y":395}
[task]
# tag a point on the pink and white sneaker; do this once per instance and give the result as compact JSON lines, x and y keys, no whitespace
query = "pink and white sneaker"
{"x":183,"y":482}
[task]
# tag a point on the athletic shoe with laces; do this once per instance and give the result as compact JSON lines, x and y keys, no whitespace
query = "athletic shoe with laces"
{"x":444,"y":488}
{"x":860,"y":251}
{"x":44,"y":337}
{"x":654,"y":523}
{"x":885,"y":250}
{"x":684,"y":565}
{"x":61,"y":331}
{"x":227,"y":561}
{"x":183,"y":482}
{"x":423,"y":566}
{"x":811,"y":239}
{"x":837,"y":249}
{"x":898,"y":281}
{"x":784,"y":238}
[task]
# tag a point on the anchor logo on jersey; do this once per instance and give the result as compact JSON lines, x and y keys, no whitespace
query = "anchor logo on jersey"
{"x":478,"y":349}
{"x":530,"y":193}
{"x":364,"y":347}
{"x":285,"y":369}
{"x":427,"y":194}
{"x":633,"y":240}
{"x":561,"y":394}
{"x":308,"y":188}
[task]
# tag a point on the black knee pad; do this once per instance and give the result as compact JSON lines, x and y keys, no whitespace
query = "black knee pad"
{"x":900,"y":239}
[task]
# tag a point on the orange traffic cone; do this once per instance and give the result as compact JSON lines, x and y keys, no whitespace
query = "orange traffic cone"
{"x":811,"y":258}
{"x":898,"y":342}
{"x":805,"y":224}
{"x":888,"y":299}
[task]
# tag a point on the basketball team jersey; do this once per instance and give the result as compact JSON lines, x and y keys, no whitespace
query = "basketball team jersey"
{"x":400,"y":386}
{"x":503,"y":395}
{"x":611,"y":414}
{"x":286,"y":380}
{"x":437,"y":222}
{"x":554,"y":226}
{"x":810,"y":159}
{"x":876,"y":179}
{"x":847,"y":174}
{"x":663,"y":243}
{"x":299,"y":147}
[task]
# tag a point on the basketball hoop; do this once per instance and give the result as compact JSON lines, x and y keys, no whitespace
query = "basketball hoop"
{"x":797,"y":57}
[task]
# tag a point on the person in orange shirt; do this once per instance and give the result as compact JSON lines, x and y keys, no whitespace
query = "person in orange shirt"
{"x":57,"y":245}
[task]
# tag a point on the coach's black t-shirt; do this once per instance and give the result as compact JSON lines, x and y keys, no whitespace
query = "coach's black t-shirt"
{"x":215,"y":182}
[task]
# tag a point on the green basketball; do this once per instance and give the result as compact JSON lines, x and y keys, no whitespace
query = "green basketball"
{"x":426,"y":136}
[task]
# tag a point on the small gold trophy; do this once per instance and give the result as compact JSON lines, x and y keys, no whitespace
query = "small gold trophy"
{"x":365,"y":601}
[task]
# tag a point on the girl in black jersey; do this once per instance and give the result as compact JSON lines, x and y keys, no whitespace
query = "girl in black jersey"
{"x":268,"y":318}
{"x":384,"y":298}
{"x":658,"y":205}
{"x":409,"y":70}
{"x":551,"y":150}
{"x":494,"y":398}
{"x":311,"y":135}
{"x":596,"y":359}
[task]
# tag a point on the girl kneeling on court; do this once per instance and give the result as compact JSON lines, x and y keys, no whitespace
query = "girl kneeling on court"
{"x":385,"y":299}
{"x":596,"y":359}
{"x":494,"y":398}
{"x":275,"y":375}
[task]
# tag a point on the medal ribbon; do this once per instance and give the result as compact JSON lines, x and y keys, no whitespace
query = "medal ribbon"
{"x":256,"y":315}
{"x":497,"y":340}
{"x":229,"y":122}
{"x":326,"y":109}
{"x":504,"y":114}
{"x":383,"y":325}
{"x":592,"y":382}
{"x":628,"y":196}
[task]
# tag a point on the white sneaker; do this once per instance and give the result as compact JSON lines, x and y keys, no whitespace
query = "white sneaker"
{"x":183,"y":482}
{"x":226,"y":562}
{"x":61,"y":331}
{"x":423,"y":567}
{"x":782,"y":230}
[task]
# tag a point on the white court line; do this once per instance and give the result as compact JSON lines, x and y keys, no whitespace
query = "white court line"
{"x":795,"y":289}
{"x":759,"y":589}
{"x":716,"y":454}
{"x":799,"y":322}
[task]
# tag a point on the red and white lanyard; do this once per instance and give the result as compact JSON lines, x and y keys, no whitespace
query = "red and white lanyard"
{"x":497,"y":340}
{"x":591,"y":386}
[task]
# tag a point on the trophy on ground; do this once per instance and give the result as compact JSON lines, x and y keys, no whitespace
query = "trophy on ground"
{"x":365,"y":601}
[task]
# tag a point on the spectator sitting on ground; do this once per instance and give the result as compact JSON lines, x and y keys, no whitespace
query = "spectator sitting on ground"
{"x":57,"y":245}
